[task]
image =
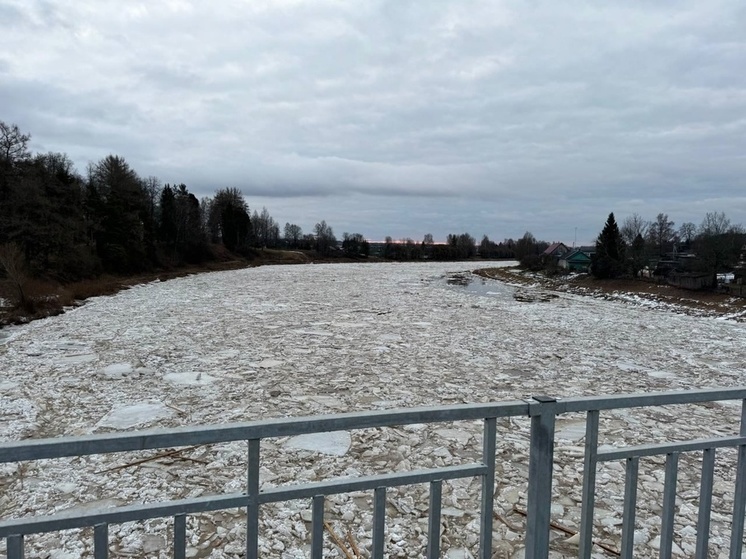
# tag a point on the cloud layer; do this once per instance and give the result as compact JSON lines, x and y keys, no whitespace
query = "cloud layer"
{"x":399,"y":118}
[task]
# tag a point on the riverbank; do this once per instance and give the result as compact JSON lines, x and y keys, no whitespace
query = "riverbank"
{"x":645,"y":293}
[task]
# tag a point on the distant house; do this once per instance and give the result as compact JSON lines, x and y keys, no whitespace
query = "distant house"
{"x":690,"y":280}
{"x":738,"y":285}
{"x":576,"y":261}
{"x":556,"y":251}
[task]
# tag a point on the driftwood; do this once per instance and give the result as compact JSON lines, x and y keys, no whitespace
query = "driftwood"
{"x":353,"y":545}
{"x":340,"y":544}
{"x":150,"y":459}
{"x":507,"y":522}
{"x":569,"y":532}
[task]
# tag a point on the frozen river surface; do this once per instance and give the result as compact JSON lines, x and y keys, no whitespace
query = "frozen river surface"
{"x":301,"y":340}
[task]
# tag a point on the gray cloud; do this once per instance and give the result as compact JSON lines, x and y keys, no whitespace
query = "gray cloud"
{"x":388,"y":117}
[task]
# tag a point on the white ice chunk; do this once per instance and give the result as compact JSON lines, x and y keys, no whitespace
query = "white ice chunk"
{"x":459,"y":435}
{"x":570,"y":430}
{"x":117,"y":370}
{"x":334,"y":444}
{"x":189,"y":379}
{"x":126,"y":417}
{"x":79,"y":358}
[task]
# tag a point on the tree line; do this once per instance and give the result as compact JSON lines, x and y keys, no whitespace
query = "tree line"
{"x":711,"y":247}
{"x":64,"y":225}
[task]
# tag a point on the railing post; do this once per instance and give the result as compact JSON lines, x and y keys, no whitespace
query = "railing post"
{"x":669,"y":504}
{"x":101,"y":541}
{"x":739,"y":499}
{"x":317,"y":527}
{"x":379,"y":522}
{"x":630,"y":508}
{"x":252,"y":510}
{"x":15,"y":547}
{"x":180,"y":536}
{"x":488,"y":487}
{"x":541,"y":461}
{"x":705,"y":502}
{"x":433,"y":522}
{"x":589,"y":484}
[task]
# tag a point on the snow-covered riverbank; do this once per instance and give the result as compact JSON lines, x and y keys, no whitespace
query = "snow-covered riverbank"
{"x":301,"y":340}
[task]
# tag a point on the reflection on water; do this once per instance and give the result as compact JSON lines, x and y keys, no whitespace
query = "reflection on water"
{"x":477,"y":285}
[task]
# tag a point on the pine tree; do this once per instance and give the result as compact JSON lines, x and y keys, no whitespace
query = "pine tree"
{"x":608,"y":261}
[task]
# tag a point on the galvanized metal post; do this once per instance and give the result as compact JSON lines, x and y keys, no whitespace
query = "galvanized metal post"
{"x":630,"y":508}
{"x":541,"y":461}
{"x":252,"y":510}
{"x":101,"y":541}
{"x":739,"y":499}
{"x":317,"y":527}
{"x":180,"y":536}
{"x":705,"y":503}
{"x":433,"y":523}
{"x":379,"y":522}
{"x":488,"y":487}
{"x":589,"y":484}
{"x":669,"y":504}
{"x":15,"y":547}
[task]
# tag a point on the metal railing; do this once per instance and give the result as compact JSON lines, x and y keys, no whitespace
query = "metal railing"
{"x":542,"y":411}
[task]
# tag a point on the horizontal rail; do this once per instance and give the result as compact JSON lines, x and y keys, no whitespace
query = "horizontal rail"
{"x":665,"y":448}
{"x":37,"y":449}
{"x":130,"y":513}
{"x":118,"y":515}
{"x":587,"y":403}
{"x":369,"y":482}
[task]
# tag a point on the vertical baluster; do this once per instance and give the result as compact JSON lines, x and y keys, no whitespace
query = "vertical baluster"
{"x":101,"y":541}
{"x":317,"y":527}
{"x":489,"y":436}
{"x":180,"y":536}
{"x":433,"y":526}
{"x":630,"y":506}
{"x":541,"y":461}
{"x":669,"y":504}
{"x":739,"y":499}
{"x":379,"y":520}
{"x":589,"y":484}
{"x":705,"y":503}
{"x":252,"y":510}
{"x":15,"y":547}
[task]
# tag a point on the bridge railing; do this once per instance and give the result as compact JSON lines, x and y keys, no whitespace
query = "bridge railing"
{"x":542,"y":411}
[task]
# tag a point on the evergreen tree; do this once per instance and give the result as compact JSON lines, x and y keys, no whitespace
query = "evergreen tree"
{"x":608,"y":261}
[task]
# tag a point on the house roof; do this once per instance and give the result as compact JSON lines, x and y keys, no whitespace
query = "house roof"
{"x":577,"y":254}
{"x":551,"y":249}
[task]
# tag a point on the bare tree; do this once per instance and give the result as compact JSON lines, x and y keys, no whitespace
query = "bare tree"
{"x":293,"y":234}
{"x":661,"y":232}
{"x":714,"y":223}
{"x":13,"y":144}
{"x":687,"y":231}
{"x":632,"y":226}
{"x":718,"y":243}
{"x":325,"y":239}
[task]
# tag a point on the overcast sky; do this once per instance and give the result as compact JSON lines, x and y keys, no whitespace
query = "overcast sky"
{"x":395,"y":117}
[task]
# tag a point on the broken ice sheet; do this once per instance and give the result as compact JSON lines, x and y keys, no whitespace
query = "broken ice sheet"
{"x":141,"y":413}
{"x":336,"y":443}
